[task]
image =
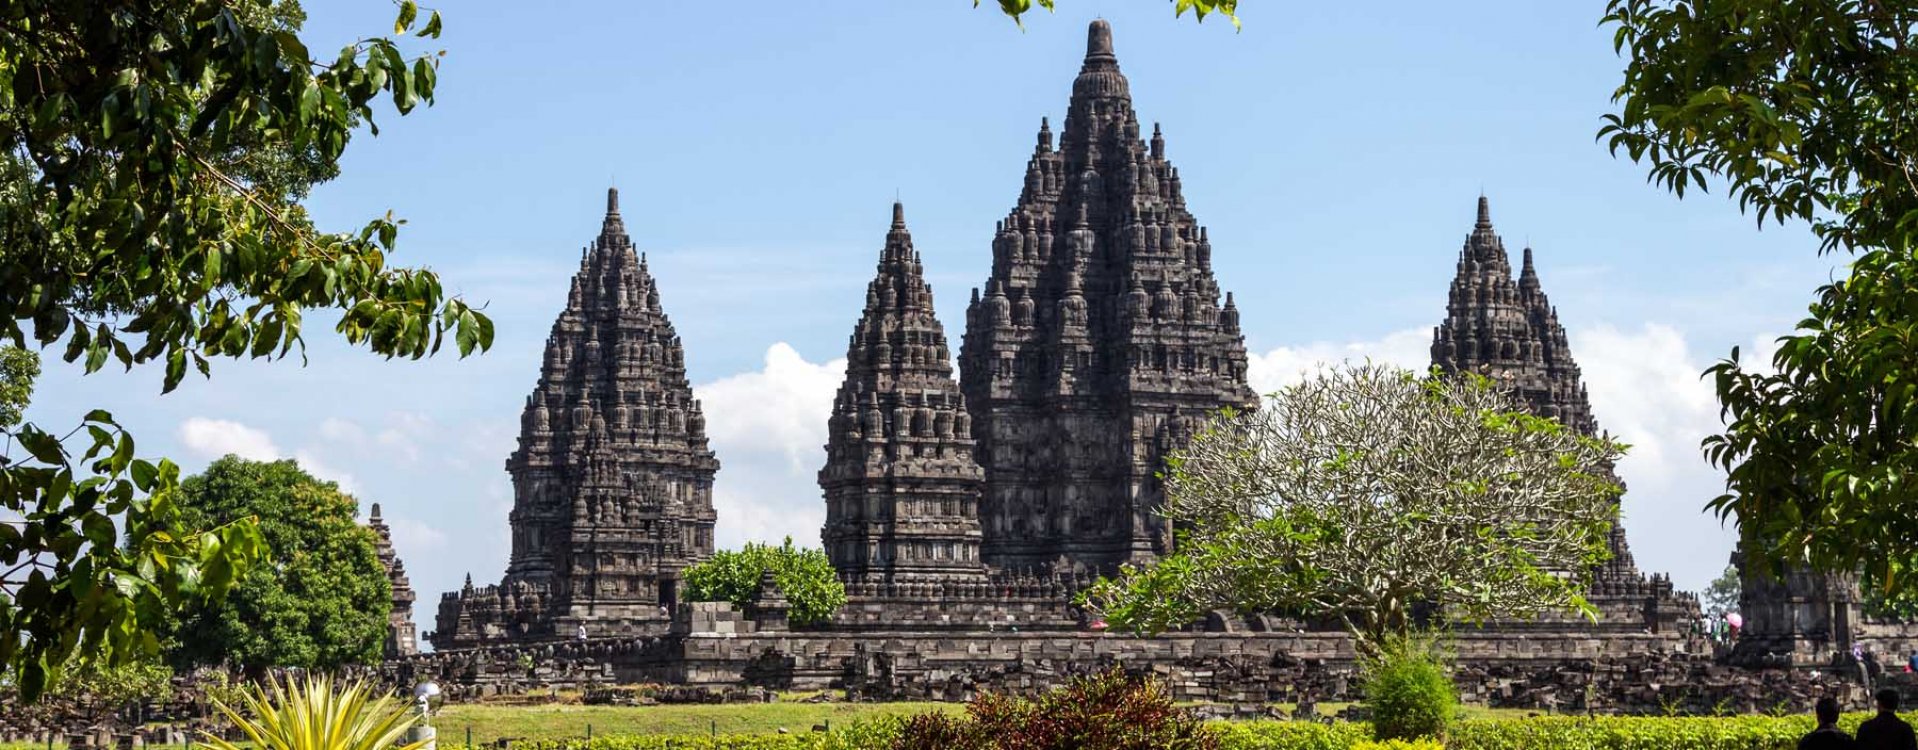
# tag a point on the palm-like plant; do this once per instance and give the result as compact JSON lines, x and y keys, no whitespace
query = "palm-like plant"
{"x":315,"y":713}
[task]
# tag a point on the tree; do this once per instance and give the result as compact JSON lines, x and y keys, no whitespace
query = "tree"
{"x":1366,"y":490}
{"x":321,"y":599}
{"x":1721,"y":597}
{"x":152,"y":155}
{"x":805,"y":576}
{"x":18,"y":369}
{"x":1803,"y":109}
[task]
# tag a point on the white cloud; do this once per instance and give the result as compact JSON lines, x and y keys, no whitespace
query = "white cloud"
{"x":320,"y":468}
{"x":1287,"y":365}
{"x":1647,"y":391}
{"x":213,"y":438}
{"x":769,"y":429}
{"x":335,"y":429}
{"x":781,"y":408}
{"x":400,"y":440}
{"x":415,"y":538}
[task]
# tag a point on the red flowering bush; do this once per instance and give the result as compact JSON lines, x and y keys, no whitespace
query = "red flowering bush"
{"x":1107,"y":711}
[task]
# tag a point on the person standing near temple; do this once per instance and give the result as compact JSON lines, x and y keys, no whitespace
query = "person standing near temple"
{"x":1827,"y":736}
{"x":1886,"y":731}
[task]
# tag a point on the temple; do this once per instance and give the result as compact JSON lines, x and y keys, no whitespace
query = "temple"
{"x":402,"y":638}
{"x":1506,"y":329}
{"x":613,"y":478}
{"x":902,"y":489}
{"x":1099,"y":343}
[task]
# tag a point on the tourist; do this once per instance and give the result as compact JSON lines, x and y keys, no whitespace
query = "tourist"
{"x":1911,"y":665}
{"x":582,"y":631}
{"x":1886,"y":731}
{"x":1827,"y":736}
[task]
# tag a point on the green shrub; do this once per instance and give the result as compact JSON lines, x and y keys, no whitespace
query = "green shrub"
{"x":1545,"y":733}
{"x":1409,"y":689}
{"x":805,"y":576}
{"x":865,"y":734}
{"x":1107,"y":711}
{"x":1399,"y":745}
{"x":1291,"y":735}
{"x":1539,"y":733}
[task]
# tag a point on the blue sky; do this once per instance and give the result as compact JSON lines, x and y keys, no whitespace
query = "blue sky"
{"x":1335,"y":151}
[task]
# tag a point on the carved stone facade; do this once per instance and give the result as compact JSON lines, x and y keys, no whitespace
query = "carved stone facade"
{"x":1801,"y":618}
{"x":1099,"y":343}
{"x":613,"y":478}
{"x":902,"y":489}
{"x":1508,"y":330}
{"x":402,"y":638}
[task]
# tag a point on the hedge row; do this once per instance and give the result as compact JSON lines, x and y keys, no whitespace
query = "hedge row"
{"x":1541,"y":733}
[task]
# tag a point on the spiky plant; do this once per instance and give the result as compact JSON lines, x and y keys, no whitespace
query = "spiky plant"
{"x":316,"y":713}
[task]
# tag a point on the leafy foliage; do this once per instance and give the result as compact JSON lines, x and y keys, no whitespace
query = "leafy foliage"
{"x":1199,"y":8}
{"x":314,"y":713}
{"x":1802,"y":109}
{"x":98,"y":559}
{"x":1721,"y":596}
{"x":320,"y":603}
{"x":1410,"y":690}
{"x":1366,"y":490}
{"x":18,"y":369}
{"x":90,"y":691}
{"x":115,"y":685}
{"x":859,"y":735}
{"x":805,"y":576}
{"x":1534,"y":733}
{"x":152,"y":154}
{"x":1107,"y":711}
{"x":133,"y":220}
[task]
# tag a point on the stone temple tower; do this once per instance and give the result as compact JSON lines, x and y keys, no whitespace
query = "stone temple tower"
{"x":902,"y":488}
{"x":1507,"y":329}
{"x":1099,"y":344}
{"x":612,"y":481}
{"x":401,"y":637}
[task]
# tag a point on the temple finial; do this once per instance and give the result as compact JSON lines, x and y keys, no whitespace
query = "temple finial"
{"x":612,"y":200}
{"x":898,"y":215}
{"x":376,"y":512}
{"x":1099,"y":42}
{"x":1484,"y":212}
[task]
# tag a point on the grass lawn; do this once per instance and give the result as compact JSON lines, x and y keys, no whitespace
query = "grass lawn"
{"x":489,"y":723}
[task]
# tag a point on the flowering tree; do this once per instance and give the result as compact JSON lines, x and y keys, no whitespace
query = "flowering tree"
{"x":1366,"y":490}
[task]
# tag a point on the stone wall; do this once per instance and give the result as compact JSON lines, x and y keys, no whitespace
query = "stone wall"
{"x":1631,"y":674}
{"x":716,"y":649}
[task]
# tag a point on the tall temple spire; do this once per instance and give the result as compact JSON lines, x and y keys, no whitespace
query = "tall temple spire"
{"x":613,"y":226}
{"x":613,"y":476}
{"x":402,"y":637}
{"x":1100,"y":342}
{"x":1099,"y":45}
{"x":1507,"y":330}
{"x":901,"y":486}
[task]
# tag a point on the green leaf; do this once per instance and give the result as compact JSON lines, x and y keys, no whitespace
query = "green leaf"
{"x":409,"y":10}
